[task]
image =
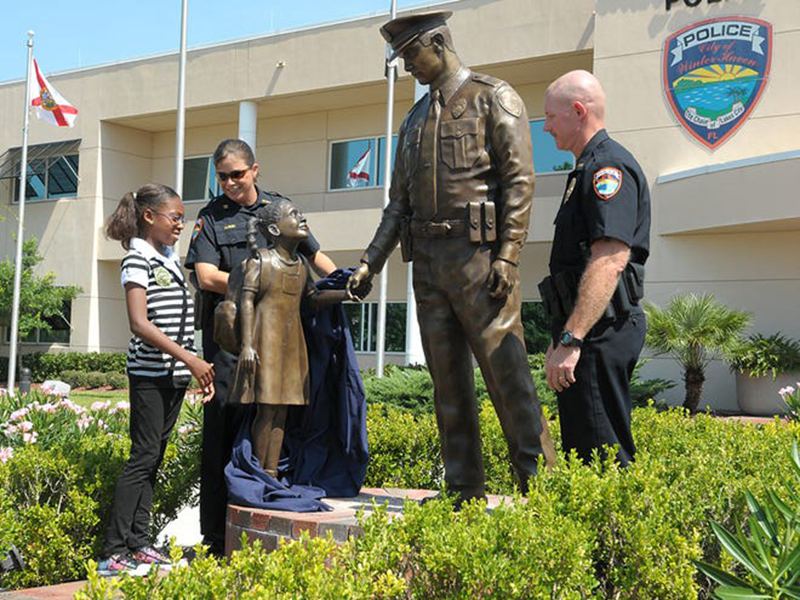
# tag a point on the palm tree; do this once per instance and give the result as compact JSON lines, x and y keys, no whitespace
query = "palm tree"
{"x":694,"y":330}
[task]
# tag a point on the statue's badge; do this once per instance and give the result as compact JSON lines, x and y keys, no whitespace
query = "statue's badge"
{"x":458,"y":108}
{"x":162,"y":276}
{"x":714,"y":72}
{"x":510,"y":101}
{"x":607,"y":182}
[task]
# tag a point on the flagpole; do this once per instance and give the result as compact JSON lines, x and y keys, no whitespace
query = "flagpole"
{"x":180,"y":126}
{"x":23,"y":169}
{"x":383,"y":280}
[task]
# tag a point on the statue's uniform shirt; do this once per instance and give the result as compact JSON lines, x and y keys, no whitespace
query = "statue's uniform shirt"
{"x":467,"y":142}
{"x":606,"y":197}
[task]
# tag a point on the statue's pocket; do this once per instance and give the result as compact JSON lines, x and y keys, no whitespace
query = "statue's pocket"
{"x":291,"y":284}
{"x":461,"y":142}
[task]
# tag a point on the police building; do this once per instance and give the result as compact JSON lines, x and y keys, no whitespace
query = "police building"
{"x":703,"y":92}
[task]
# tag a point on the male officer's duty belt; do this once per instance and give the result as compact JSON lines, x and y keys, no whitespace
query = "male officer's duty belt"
{"x":438,"y":229}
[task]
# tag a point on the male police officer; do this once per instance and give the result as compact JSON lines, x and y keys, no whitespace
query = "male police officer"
{"x":460,"y":203}
{"x":597,"y":261}
{"x":219,"y":243}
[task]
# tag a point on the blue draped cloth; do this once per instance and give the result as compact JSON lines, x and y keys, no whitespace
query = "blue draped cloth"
{"x":325,"y":447}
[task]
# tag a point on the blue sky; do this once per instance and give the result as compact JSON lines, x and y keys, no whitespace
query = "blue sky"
{"x":82,"y":33}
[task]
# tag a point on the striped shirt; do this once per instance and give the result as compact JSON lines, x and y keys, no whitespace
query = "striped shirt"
{"x":169,"y":307}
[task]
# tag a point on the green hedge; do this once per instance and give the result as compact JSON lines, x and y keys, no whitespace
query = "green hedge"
{"x":95,"y":379}
{"x":51,"y":365}
{"x":56,"y":488}
{"x":584,"y":532}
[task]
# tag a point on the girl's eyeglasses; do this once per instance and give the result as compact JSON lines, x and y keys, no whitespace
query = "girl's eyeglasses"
{"x":176,"y":219}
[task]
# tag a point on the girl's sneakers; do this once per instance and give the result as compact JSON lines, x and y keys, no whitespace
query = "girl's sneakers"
{"x":117,"y":564}
{"x":151,"y":556}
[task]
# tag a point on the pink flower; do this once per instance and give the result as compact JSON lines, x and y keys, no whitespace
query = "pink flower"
{"x":122,"y":405}
{"x":184,"y":429}
{"x":6,"y":454}
{"x":48,"y":408}
{"x":788,"y":390}
{"x":26,"y":426}
{"x":11,"y":429}
{"x":100,"y":405}
{"x":70,"y":405}
{"x":18,"y":414}
{"x":30,"y":438}
{"x":84,"y":422}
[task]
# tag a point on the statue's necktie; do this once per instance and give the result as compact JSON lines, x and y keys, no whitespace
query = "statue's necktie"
{"x":429,"y":157}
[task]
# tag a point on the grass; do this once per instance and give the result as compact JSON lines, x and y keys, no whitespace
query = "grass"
{"x":86,"y":397}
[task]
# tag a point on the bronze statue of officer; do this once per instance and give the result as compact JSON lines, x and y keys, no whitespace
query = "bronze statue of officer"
{"x":460,"y":203}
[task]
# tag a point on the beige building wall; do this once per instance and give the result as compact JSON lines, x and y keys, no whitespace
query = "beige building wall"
{"x":722,"y":222}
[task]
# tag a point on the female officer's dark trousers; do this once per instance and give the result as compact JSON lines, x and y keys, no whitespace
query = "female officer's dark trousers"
{"x":155,"y":405}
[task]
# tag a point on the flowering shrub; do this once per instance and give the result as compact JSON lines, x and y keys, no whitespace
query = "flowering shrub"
{"x":59,"y":463}
{"x":791,"y":397}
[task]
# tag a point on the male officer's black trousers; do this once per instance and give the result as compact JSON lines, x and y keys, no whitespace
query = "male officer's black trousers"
{"x":596,"y":409}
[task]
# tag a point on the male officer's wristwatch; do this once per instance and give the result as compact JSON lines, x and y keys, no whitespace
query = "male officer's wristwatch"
{"x":567,"y":339}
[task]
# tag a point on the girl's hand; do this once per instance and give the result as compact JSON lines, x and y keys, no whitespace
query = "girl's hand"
{"x":202,"y":371}
{"x":208,"y":393}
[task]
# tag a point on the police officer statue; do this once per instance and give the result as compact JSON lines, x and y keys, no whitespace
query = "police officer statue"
{"x":219,"y":243}
{"x":600,"y":245}
{"x":460,"y":203}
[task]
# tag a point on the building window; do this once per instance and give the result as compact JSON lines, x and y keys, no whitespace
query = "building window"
{"x":199,"y":179}
{"x":358,"y":163}
{"x":364,"y":325}
{"x":52,"y":171}
{"x":547,"y":158}
{"x":59,"y":334}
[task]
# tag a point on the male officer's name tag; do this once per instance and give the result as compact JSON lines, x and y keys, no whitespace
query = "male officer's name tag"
{"x":569,"y":190}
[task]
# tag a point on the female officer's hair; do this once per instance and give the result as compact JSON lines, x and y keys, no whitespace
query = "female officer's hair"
{"x":265,"y":216}
{"x":238,"y":147}
{"x":127,"y":220}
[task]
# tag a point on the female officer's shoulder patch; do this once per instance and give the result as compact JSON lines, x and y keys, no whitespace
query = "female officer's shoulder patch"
{"x":607,"y":181}
{"x":198,"y":227}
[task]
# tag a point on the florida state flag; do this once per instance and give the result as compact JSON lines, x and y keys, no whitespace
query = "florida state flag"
{"x":51,"y":106}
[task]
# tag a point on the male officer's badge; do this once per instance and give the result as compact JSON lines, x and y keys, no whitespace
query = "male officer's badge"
{"x":162,"y":276}
{"x":198,"y":227}
{"x":714,"y":72}
{"x":607,"y":182}
{"x":458,"y":108}
{"x":510,"y":101}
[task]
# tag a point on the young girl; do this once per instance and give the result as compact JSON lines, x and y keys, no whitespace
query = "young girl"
{"x":161,"y":361}
{"x":273,"y":353}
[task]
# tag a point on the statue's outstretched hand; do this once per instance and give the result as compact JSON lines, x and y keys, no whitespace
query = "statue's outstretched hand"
{"x":360,"y":283}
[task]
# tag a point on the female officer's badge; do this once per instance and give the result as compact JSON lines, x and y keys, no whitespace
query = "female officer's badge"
{"x":607,"y":182}
{"x":714,"y":72}
{"x":162,"y":276}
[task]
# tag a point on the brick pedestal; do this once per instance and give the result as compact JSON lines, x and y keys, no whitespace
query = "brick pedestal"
{"x":270,"y":526}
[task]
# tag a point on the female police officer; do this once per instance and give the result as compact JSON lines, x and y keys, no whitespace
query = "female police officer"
{"x":218,"y":244}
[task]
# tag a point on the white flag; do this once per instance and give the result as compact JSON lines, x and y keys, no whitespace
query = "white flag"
{"x":360,"y":171}
{"x":51,"y":106}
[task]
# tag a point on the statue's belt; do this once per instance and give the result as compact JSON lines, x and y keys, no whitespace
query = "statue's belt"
{"x":439,"y":229}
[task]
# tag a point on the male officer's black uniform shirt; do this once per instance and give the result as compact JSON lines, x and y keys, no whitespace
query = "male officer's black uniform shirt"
{"x":220,"y":234}
{"x":606,"y":197}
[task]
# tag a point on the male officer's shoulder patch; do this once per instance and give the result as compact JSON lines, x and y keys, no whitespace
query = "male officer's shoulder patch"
{"x":607,"y":181}
{"x":510,"y":101}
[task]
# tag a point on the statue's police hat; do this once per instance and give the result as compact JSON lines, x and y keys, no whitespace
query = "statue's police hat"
{"x":403,"y":31}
